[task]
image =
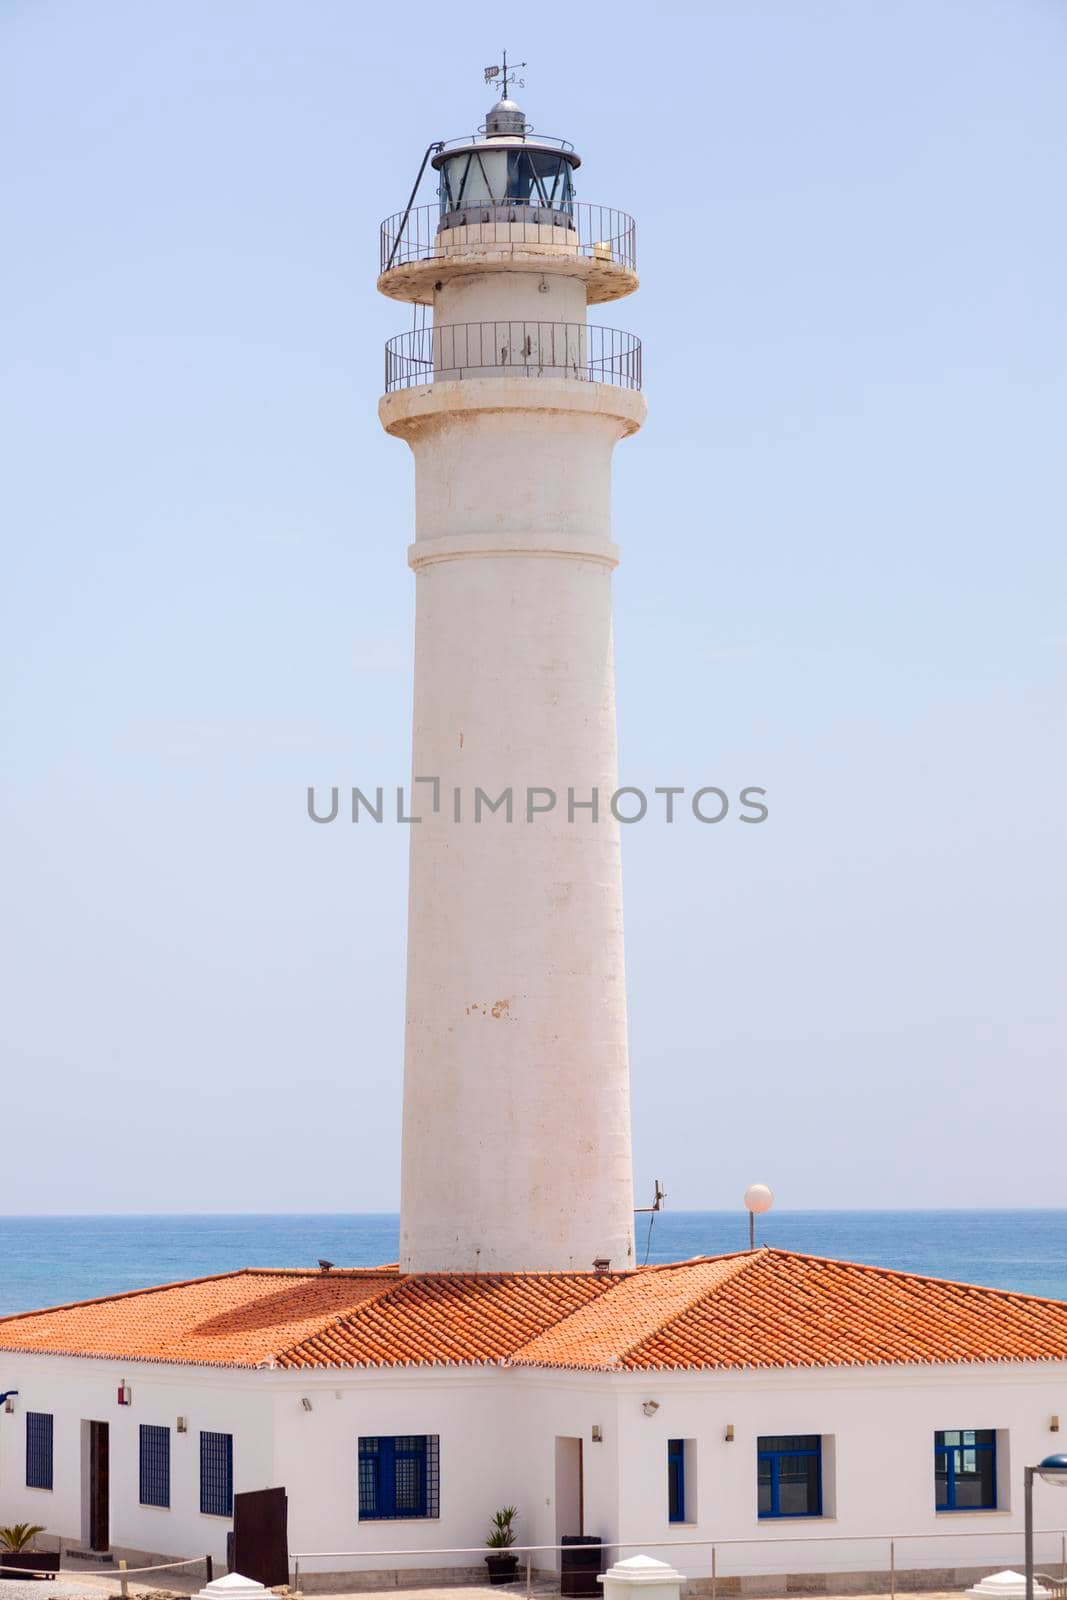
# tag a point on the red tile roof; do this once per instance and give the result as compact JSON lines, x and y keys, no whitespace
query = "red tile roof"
{"x":768,"y":1308}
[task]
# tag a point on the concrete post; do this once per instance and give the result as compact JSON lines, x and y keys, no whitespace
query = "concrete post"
{"x":232,"y":1587}
{"x":655,"y":1579}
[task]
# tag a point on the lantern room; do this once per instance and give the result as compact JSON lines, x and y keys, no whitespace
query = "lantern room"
{"x":505,"y":174}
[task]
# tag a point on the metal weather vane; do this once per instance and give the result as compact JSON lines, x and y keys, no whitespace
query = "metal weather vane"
{"x":505,"y":75}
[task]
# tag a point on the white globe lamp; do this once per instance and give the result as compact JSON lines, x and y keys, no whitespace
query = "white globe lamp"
{"x":758,"y":1199}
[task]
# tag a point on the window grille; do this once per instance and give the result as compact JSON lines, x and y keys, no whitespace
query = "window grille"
{"x":399,"y":1477}
{"x":789,"y":1475}
{"x":155,"y":1465}
{"x":965,"y":1469}
{"x":216,"y":1474}
{"x":38,"y":1449}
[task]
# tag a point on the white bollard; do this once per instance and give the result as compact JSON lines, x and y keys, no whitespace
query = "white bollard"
{"x":232,"y":1587}
{"x":655,"y":1579}
{"x":1004,"y":1586}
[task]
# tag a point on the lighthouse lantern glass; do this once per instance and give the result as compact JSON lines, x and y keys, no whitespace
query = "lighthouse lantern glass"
{"x":523,"y":177}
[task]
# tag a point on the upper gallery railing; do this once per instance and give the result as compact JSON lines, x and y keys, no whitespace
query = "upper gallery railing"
{"x":530,"y":349}
{"x":599,"y":232}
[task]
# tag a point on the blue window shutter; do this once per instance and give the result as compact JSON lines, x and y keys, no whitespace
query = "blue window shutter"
{"x":39,"y":1435}
{"x":676,"y":1480}
{"x":154,"y":1465}
{"x":399,"y":1476}
{"x":216,"y":1474}
{"x":368,"y":1478}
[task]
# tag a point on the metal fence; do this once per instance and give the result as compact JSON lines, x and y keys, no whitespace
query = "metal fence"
{"x":531,"y":349}
{"x":888,"y":1554}
{"x":422,"y":234}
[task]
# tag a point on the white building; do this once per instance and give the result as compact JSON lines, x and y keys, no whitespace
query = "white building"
{"x":795,"y":1411}
{"x":802,"y":1406}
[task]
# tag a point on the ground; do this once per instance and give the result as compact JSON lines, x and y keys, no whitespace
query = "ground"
{"x":106,"y":1588}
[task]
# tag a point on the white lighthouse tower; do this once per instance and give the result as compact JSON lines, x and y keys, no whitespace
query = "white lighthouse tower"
{"x":516,"y":1132}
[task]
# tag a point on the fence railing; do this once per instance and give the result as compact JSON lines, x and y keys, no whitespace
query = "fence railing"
{"x":888,"y":1542}
{"x":422,"y":234}
{"x":466,"y":140}
{"x":530,"y":349}
{"x":122,"y":1573}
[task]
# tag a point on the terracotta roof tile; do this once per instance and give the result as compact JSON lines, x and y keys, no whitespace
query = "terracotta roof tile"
{"x":770,"y":1308}
{"x":234,"y":1319}
{"x":784,"y":1309}
{"x":449,"y":1318}
{"x":601,"y":1333}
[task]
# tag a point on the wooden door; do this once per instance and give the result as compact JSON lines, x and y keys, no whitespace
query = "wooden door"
{"x":99,"y":1486}
{"x":260,"y":1536}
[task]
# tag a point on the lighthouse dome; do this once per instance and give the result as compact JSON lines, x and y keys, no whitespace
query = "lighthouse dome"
{"x":505,"y":117}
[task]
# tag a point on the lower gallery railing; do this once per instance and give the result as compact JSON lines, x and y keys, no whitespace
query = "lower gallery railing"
{"x":521,"y":349}
{"x":893,"y":1548}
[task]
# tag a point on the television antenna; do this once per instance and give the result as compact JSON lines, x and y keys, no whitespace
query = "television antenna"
{"x":658,"y":1197}
{"x":505,"y":75}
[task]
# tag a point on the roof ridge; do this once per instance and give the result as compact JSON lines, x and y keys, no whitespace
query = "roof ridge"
{"x":339,"y":1317}
{"x":126,"y":1294}
{"x":366,"y":1310}
{"x":736,"y":1263}
{"x":905,"y":1272}
{"x":742,"y":1260}
{"x":386,"y":1270}
{"x":692,"y":1261}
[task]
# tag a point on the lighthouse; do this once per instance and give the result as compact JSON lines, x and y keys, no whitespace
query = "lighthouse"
{"x":516,"y":1113}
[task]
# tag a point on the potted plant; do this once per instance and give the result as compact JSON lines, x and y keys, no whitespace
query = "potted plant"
{"x":18,"y":1555}
{"x":502,"y":1563}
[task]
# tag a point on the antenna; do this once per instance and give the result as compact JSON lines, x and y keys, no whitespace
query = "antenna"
{"x":658,"y":1197}
{"x":505,"y":74}
{"x":758,"y":1199}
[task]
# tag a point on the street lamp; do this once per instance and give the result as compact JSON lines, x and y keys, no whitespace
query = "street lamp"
{"x":1052,"y":1470}
{"x":758,"y":1199}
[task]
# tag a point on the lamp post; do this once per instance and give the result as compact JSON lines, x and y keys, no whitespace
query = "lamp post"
{"x":1052,"y":1470}
{"x":758,"y":1199}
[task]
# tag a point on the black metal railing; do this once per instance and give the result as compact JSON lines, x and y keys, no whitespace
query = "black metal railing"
{"x":600,"y":233}
{"x":466,"y":141}
{"x":530,"y":349}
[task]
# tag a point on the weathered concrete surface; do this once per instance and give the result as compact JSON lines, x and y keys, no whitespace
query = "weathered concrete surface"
{"x":516,"y":1143}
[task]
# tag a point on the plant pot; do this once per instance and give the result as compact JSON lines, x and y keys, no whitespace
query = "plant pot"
{"x":12,"y":1562}
{"x":502,"y":1566}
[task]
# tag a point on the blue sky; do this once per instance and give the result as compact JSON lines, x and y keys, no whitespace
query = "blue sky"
{"x":842,"y":580}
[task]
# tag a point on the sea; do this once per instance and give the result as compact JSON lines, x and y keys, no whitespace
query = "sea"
{"x":53,"y":1260}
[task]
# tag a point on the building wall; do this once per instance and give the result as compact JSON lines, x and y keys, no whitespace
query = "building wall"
{"x":482,"y":1463}
{"x":877,"y":1426}
{"x":212,"y":1399}
{"x":498,"y":1431}
{"x":567,"y":1405}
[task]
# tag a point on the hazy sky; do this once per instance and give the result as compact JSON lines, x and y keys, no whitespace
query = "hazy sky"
{"x":842,"y":579}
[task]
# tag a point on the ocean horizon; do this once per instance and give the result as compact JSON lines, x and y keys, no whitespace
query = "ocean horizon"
{"x":49,"y":1260}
